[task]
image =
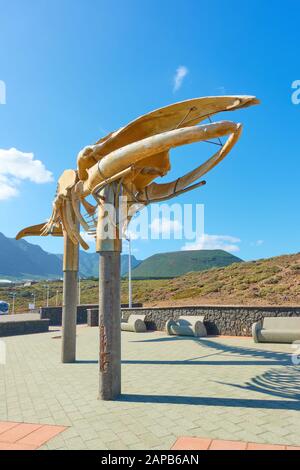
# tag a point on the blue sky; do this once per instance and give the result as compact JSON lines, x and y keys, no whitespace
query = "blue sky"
{"x":75,"y":70}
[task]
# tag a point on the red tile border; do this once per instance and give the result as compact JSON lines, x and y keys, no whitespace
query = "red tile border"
{"x":6,"y":425}
{"x":26,"y":436}
{"x":191,"y":443}
{"x":16,"y":446}
{"x":218,"y":444}
{"x":41,"y":436}
{"x":200,"y":443}
{"x":16,"y":433}
{"x":253,"y":446}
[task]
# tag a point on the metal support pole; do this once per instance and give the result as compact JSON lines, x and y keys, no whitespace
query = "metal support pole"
{"x":70,"y":294}
{"x":48,"y":288}
{"x":129,"y":274}
{"x":34,"y":300}
{"x":13,"y":305}
{"x":109,"y":248}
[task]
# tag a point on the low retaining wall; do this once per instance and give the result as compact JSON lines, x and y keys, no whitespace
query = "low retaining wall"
{"x":54,"y":314}
{"x":25,"y":327}
{"x":219,"y":320}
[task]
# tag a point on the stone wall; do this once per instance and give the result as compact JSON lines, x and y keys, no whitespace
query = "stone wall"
{"x":219,"y":320}
{"x":54,"y":314}
{"x":26,"y":327}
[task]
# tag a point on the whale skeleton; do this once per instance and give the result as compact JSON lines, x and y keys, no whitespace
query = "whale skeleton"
{"x":133,"y":157}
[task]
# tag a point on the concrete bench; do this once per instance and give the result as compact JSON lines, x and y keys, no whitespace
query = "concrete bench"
{"x":187,"y":326}
{"x":135,"y":323}
{"x":276,"y":330}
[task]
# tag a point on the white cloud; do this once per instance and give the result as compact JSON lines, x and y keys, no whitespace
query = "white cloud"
{"x":165,"y":226}
{"x":87,"y":237}
{"x":7,"y":189}
{"x":16,"y":166}
{"x":214,"y":242}
{"x":179,"y":76}
{"x":257,"y":243}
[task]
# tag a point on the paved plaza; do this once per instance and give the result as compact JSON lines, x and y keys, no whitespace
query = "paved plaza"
{"x":214,"y":388}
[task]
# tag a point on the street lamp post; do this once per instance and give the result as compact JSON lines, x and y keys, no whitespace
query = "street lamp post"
{"x":129,"y":273}
{"x":13,"y":305}
{"x":46,"y":286}
{"x":79,"y":290}
{"x":33,"y":295}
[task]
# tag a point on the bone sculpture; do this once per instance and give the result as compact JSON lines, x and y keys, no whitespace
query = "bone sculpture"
{"x":128,"y":161}
{"x":134,"y":156}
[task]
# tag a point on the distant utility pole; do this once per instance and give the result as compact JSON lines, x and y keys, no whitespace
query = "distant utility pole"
{"x":13,"y":305}
{"x":47,"y":294}
{"x":56,"y":298}
{"x":129,"y":273}
{"x":79,"y":290}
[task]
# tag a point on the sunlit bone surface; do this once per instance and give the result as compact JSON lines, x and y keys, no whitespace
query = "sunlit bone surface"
{"x":137,"y":154}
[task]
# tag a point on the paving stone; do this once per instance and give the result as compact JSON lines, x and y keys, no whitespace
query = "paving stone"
{"x":212,"y":388}
{"x":96,"y":444}
{"x":75,"y":443}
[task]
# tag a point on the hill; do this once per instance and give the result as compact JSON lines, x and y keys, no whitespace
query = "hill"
{"x":20,"y":259}
{"x":170,"y":265}
{"x":89,"y":264}
{"x":273,"y":281}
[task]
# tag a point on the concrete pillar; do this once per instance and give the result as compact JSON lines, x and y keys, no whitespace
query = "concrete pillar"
{"x":108,"y":245}
{"x":70,"y":296}
{"x":109,"y":325}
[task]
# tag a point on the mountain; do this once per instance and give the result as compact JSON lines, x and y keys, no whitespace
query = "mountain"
{"x":271,"y":281}
{"x":124,"y":263}
{"x":22,"y":260}
{"x":89,"y":264}
{"x":169,"y":265}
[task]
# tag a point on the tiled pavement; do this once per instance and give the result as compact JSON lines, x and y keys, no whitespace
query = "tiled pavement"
{"x":220,"y":388}
{"x":196,"y":443}
{"x":26,"y":436}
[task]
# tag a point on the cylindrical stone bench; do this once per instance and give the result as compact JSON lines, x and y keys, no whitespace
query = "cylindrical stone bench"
{"x":186,"y":326}
{"x":277,"y":330}
{"x":135,"y":323}
{"x":93,"y":317}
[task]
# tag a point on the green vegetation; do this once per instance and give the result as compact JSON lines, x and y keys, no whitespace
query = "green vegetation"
{"x":273,"y":281}
{"x":169,"y":265}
